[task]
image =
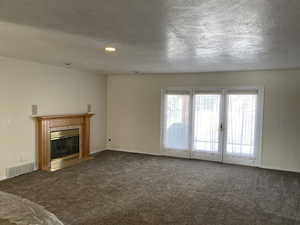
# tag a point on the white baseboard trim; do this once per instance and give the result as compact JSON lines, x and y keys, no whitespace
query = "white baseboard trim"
{"x":133,"y":151}
{"x":174,"y":154}
{"x":95,"y":151}
{"x":2,"y":178}
{"x":279,"y":169}
{"x":159,"y":154}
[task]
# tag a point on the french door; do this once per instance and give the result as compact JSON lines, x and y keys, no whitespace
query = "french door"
{"x":177,"y":115}
{"x":216,"y":124}
{"x":207,"y":125}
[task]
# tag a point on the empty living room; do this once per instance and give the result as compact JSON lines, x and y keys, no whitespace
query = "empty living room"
{"x":150,"y":112}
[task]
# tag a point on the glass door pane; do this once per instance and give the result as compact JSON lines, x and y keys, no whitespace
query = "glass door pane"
{"x":241,"y":125}
{"x":207,"y":112}
{"x":177,"y":117}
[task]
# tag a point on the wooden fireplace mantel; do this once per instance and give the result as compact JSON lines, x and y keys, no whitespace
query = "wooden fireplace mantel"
{"x":50,"y":122}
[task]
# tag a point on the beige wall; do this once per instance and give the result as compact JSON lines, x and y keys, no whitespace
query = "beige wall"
{"x":55,"y":90}
{"x":133,"y":108}
{"x":134,"y":111}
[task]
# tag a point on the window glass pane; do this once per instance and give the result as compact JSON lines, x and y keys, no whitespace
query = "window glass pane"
{"x":206,"y":123}
{"x":241,"y":122}
{"x":177,"y":121}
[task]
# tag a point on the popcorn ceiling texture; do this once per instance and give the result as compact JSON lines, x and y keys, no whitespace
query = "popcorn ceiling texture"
{"x":153,"y":36}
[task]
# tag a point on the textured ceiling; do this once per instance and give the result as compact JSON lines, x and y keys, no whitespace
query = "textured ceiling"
{"x":153,"y":36}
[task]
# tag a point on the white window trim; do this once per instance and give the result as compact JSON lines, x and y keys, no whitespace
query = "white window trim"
{"x":192,"y":91}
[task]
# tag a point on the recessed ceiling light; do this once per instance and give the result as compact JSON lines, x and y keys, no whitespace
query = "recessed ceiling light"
{"x":110,"y":49}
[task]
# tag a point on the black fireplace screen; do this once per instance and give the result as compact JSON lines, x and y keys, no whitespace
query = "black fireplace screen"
{"x":64,"y":145}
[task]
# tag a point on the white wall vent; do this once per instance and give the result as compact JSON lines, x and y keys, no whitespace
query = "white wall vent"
{"x":19,"y":170}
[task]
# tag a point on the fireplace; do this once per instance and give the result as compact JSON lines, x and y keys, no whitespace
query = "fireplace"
{"x":64,"y":146}
{"x":63,"y":140}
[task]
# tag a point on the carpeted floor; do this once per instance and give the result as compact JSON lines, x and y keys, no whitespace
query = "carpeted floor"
{"x":130,"y":189}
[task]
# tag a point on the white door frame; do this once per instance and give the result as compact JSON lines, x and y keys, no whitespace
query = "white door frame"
{"x":223,"y":158}
{"x":256,"y":161}
{"x":182,"y":153}
{"x":200,"y":154}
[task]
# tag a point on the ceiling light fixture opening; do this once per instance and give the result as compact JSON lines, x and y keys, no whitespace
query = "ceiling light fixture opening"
{"x":110,"y":49}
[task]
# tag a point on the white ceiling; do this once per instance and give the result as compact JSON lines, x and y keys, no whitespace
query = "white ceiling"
{"x":153,"y":36}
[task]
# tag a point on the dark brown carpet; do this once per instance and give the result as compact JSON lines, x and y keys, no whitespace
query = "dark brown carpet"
{"x":130,"y":189}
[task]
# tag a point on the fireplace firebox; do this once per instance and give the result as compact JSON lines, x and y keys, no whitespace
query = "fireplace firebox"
{"x":64,"y":147}
{"x":64,"y":143}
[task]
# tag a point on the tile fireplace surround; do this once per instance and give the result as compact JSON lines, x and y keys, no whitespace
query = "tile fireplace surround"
{"x":53,"y":123}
